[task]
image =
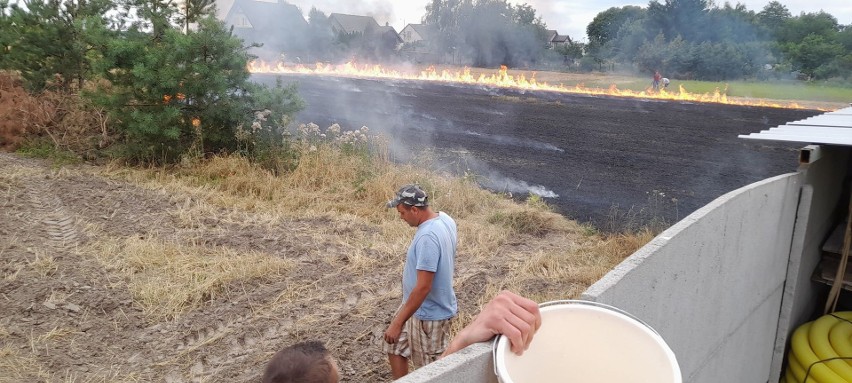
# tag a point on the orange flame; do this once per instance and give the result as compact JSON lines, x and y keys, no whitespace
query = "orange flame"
{"x":504,"y":80}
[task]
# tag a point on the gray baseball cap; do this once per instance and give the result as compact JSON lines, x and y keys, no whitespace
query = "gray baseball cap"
{"x":411,"y":195}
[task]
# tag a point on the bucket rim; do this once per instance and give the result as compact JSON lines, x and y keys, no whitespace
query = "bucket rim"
{"x":574,"y":302}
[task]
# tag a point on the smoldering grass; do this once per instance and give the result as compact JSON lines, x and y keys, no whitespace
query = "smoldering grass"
{"x":168,"y":279}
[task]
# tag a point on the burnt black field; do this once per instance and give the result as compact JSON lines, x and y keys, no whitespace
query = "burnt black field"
{"x":615,"y":163}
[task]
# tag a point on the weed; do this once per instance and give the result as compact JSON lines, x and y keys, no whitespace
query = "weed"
{"x":532,"y":221}
{"x":43,"y":148}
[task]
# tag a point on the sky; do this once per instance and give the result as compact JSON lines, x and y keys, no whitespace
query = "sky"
{"x":566,"y":16}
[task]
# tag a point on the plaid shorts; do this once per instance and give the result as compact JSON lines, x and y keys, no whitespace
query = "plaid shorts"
{"x":421,"y":341}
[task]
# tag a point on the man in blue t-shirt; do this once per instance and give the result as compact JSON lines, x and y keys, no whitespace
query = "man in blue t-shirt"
{"x":420,"y":329}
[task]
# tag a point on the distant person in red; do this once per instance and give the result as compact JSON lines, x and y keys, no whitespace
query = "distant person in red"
{"x":657,"y":78}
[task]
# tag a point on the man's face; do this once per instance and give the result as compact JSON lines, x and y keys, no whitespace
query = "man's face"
{"x":408,"y":214}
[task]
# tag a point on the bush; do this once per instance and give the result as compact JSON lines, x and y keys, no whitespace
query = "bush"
{"x":178,"y":93}
{"x":14,"y":102}
{"x":51,"y":117}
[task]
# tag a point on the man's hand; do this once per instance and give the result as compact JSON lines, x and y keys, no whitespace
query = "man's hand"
{"x":509,"y":314}
{"x":393,"y":332}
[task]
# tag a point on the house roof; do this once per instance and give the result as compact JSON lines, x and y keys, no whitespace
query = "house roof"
{"x":561,"y":39}
{"x":265,"y":15}
{"x":425,"y":31}
{"x":551,"y":33}
{"x":354,"y":23}
{"x":833,"y":128}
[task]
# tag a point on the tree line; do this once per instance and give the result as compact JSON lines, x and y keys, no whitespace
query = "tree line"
{"x":695,"y":39}
{"x":688,"y":39}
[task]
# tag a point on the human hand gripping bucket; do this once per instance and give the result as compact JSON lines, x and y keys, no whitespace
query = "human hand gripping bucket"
{"x":588,"y":342}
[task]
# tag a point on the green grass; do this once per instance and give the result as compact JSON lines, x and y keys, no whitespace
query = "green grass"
{"x":44,"y":148}
{"x":767,"y":90}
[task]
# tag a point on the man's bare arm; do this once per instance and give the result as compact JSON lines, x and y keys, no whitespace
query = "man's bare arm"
{"x":509,"y":314}
{"x":415,"y":299}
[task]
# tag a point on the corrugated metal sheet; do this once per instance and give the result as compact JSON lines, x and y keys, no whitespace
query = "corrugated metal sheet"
{"x":832,"y":128}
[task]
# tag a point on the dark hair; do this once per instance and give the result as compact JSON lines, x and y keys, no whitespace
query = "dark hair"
{"x":306,"y":362}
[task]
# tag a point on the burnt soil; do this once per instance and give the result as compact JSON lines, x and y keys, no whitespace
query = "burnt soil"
{"x":612,"y":162}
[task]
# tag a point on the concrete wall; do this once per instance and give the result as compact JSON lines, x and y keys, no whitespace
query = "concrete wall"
{"x":712,"y":284}
{"x":709,"y":285}
{"x":815,"y":219}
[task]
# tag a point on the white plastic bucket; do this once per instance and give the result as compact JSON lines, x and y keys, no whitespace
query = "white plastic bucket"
{"x":588,"y":342}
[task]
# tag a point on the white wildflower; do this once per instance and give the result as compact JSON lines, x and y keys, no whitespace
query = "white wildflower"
{"x":333,"y":129}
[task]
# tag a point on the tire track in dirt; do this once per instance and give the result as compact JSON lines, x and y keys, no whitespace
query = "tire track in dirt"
{"x":240,"y":344}
{"x":57,"y":222}
{"x":49,"y":213}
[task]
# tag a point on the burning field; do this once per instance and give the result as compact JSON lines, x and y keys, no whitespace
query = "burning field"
{"x":618,"y":163}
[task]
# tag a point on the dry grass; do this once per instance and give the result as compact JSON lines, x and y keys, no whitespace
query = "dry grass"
{"x":342,"y":187}
{"x":16,"y":367}
{"x":227,"y":225}
{"x":167,"y":279}
{"x":43,"y":265}
{"x":53,"y":335}
{"x":332,"y":203}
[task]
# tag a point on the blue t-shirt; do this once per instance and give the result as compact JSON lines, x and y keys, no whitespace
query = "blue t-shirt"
{"x":433,"y":249}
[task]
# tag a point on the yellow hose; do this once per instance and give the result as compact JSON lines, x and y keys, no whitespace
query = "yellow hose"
{"x":818,"y":337}
{"x":841,"y":336}
{"x":813,"y":343}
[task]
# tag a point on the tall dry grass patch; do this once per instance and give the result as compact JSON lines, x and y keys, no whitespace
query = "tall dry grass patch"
{"x":524,"y":247}
{"x":167,"y":279}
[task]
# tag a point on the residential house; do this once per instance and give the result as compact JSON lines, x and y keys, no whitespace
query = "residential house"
{"x":364,"y":36}
{"x":417,"y":34}
{"x":279,"y":26}
{"x":388,"y":34}
{"x":549,"y":36}
{"x":561,"y":40}
{"x":555,"y":40}
{"x":352,"y":24}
